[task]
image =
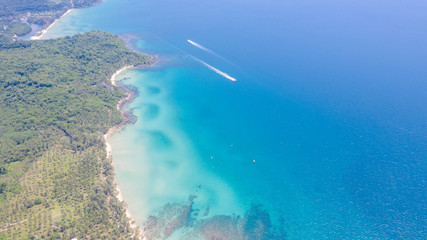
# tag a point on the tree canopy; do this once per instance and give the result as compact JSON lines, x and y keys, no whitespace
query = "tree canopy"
{"x":56,"y":102}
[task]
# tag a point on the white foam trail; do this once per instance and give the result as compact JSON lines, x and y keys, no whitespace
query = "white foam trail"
{"x":202,"y":47}
{"x":216,"y":70}
{"x":199,"y":46}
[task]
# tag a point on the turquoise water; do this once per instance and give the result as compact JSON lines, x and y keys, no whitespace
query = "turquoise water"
{"x":323,"y":135}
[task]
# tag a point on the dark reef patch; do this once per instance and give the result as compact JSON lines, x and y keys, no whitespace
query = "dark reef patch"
{"x":256,"y":224}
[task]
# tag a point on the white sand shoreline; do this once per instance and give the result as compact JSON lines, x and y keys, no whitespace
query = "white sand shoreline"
{"x":108,"y":149}
{"x":118,"y":72}
{"x":41,"y":33}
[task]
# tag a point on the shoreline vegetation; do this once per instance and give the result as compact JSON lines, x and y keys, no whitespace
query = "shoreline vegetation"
{"x":18,"y":226}
{"x":39,"y":35}
{"x":58,"y":140}
{"x":127,"y":118}
{"x":18,"y":18}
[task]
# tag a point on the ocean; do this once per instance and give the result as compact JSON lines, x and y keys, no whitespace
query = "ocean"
{"x":322,"y":135}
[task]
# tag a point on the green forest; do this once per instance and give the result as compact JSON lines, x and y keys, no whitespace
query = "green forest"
{"x":56,"y":102}
{"x":15,"y":7}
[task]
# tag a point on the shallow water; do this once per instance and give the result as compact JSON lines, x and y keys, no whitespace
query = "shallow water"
{"x":325,"y":126}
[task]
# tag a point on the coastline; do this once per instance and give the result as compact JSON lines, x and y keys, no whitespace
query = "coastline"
{"x":130,"y":95}
{"x":41,"y":33}
{"x":127,"y":118}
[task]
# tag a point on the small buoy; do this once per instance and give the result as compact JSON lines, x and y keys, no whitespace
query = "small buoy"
{"x":253,"y":161}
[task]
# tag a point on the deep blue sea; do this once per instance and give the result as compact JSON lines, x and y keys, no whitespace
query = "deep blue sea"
{"x":322,"y":136}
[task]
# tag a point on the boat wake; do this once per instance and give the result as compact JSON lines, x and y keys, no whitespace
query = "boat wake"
{"x":216,"y":70}
{"x":202,"y":47}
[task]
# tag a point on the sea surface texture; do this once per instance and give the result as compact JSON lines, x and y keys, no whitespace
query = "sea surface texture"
{"x":272,"y":119}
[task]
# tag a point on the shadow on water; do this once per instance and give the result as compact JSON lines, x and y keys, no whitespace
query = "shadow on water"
{"x":158,"y":139}
{"x":150,"y":111}
{"x":183,"y":221}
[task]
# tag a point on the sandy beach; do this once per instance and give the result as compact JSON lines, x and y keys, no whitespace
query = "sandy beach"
{"x":108,"y":148}
{"x":114,"y":76}
{"x":43,"y":32}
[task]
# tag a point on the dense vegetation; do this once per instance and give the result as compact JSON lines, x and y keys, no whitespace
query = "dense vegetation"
{"x":16,"y":15}
{"x":14,"y":28}
{"x":56,"y":102}
{"x":15,"y":7}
